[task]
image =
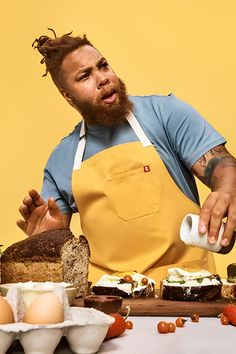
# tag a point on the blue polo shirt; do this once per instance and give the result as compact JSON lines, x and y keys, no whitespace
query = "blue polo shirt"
{"x":176,"y":130}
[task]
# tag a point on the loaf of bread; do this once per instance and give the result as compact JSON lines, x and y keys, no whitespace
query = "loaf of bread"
{"x":54,"y":255}
{"x":198,"y":285}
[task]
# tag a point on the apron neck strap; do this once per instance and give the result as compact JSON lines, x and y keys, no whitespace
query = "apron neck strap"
{"x":81,"y":147}
{"x":132,"y":120}
{"x":134,"y":123}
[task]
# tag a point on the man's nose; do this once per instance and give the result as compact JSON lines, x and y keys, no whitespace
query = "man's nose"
{"x":102,"y":80}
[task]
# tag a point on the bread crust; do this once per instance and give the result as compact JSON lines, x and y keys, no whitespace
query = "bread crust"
{"x":44,"y":246}
{"x":193,"y":293}
{"x":228,"y":289}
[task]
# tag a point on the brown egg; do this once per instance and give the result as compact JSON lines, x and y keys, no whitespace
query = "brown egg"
{"x":6,"y":313}
{"x":46,"y":308}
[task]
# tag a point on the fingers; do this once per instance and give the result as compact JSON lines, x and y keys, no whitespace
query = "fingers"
{"x":215,"y":208}
{"x":24,"y":211}
{"x":36,"y":197}
{"x":22,"y":225}
{"x":206,"y":217}
{"x":53,"y":208}
{"x":30,"y":202}
{"x":230,"y":226}
{"x":37,"y":215}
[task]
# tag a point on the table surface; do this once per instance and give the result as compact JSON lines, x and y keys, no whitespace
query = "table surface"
{"x":206,"y":336}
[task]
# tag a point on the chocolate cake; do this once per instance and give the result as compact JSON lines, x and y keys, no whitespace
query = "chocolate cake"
{"x":54,"y":255}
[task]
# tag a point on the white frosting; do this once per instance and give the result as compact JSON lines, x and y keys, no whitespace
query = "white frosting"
{"x":182,"y":277}
{"x":226,"y":282}
{"x":181,"y":272}
{"x":114,"y":281}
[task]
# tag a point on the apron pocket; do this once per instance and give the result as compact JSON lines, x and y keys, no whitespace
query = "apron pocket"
{"x":133,"y":194}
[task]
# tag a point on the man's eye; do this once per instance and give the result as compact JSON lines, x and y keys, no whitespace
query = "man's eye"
{"x":104,"y":64}
{"x":82,"y":77}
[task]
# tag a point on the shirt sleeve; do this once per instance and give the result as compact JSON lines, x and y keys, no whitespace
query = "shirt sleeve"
{"x":190,"y":134}
{"x":57,"y":181}
{"x":51,"y":190}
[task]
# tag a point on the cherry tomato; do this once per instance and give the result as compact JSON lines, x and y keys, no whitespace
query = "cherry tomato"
{"x":171,"y":327}
{"x":144,"y":281}
{"x":162,"y":327}
{"x":180,"y":322}
{"x":224,"y":320}
{"x":127,"y":278}
{"x":195,"y":317}
{"x":230,"y":312}
{"x":116,"y":328}
{"x":129,"y":324}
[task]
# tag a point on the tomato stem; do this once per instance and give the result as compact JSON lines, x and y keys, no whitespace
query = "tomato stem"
{"x":128,"y":312}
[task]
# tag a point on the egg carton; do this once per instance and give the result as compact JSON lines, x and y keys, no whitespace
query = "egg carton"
{"x":84,"y":328}
{"x":85,"y":333}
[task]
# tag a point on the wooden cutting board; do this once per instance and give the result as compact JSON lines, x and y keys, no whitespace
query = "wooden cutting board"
{"x":160,"y":307}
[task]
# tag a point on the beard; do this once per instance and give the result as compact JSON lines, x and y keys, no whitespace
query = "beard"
{"x":99,"y":113}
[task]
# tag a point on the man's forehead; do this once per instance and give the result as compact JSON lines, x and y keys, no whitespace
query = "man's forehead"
{"x":82,"y":57}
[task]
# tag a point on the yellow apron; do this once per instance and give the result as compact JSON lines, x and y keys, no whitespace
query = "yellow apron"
{"x":131,"y":210}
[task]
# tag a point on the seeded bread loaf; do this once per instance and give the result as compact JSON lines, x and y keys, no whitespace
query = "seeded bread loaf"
{"x":54,"y":255}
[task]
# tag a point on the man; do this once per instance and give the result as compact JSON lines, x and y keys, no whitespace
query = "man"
{"x":128,"y":169}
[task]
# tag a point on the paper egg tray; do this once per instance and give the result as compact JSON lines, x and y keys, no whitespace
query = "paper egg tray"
{"x":85,"y":332}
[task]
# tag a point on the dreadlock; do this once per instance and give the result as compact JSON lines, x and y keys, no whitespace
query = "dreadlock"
{"x":54,"y":51}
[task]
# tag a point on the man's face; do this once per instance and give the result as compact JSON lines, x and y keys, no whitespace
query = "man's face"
{"x":93,"y":88}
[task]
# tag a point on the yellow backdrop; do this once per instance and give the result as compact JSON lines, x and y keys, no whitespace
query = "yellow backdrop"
{"x":156,"y":46}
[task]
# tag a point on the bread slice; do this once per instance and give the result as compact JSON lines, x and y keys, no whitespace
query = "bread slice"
{"x":54,"y":255}
{"x":116,"y":284}
{"x":185,"y":285}
{"x":228,"y":289}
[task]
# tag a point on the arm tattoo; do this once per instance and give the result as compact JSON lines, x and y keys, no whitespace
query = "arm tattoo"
{"x":202,"y":161}
{"x":222,"y":161}
{"x":209,"y":169}
{"x":216,"y":150}
{"x":217,"y":158}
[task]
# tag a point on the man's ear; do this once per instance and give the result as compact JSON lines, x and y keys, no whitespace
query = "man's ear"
{"x":67,"y":96}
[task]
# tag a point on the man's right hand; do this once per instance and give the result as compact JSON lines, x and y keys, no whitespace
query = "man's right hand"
{"x":40,"y":216}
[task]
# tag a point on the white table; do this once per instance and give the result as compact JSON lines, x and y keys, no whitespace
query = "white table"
{"x":207,"y":336}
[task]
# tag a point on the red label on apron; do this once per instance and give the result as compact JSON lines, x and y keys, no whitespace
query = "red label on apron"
{"x":146,"y":168}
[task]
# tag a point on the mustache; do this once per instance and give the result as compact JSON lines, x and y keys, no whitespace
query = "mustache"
{"x":106,"y":92}
{"x":98,"y":113}
{"x":112,"y":88}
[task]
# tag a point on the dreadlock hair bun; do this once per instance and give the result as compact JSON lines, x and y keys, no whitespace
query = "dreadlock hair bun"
{"x":54,"y":50}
